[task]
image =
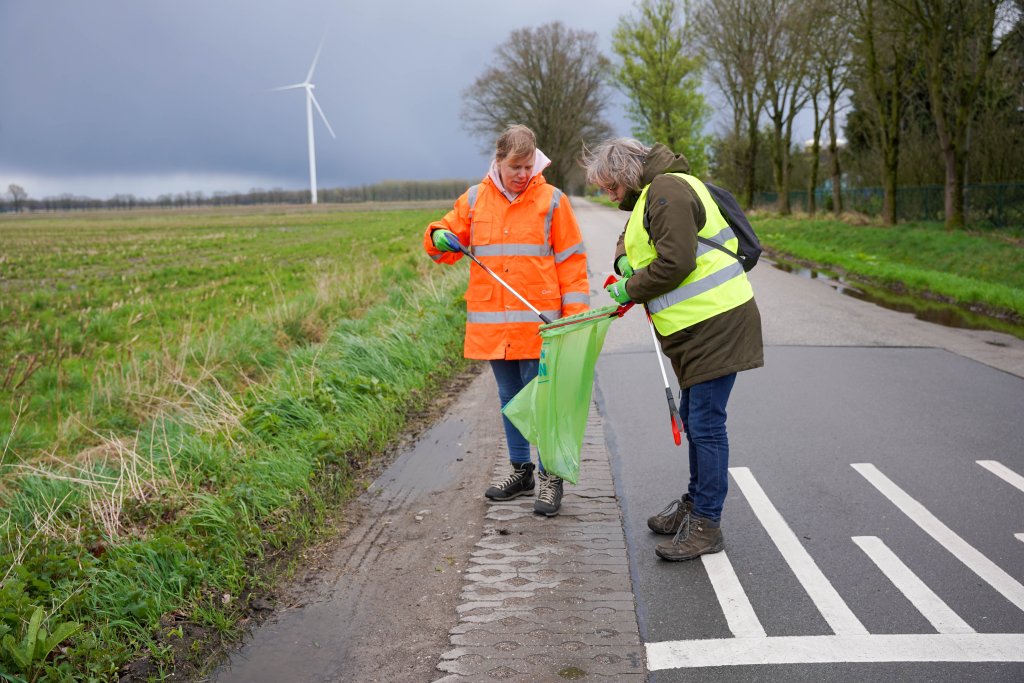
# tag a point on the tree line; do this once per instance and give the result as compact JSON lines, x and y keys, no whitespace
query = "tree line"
{"x":932,"y":92}
{"x":387,"y":191}
{"x":931,"y":89}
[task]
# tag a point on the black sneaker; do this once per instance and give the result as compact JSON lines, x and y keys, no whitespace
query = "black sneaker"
{"x":671,"y":518}
{"x":520,"y":481}
{"x":549,"y":497}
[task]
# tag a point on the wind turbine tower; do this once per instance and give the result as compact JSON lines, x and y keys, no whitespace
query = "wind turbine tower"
{"x":311,"y":102}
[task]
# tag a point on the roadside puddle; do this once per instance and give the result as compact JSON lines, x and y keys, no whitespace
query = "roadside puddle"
{"x":947,"y":315}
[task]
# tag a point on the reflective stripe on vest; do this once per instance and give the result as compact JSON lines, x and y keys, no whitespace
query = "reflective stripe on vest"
{"x":502,"y":317}
{"x":716,"y":285}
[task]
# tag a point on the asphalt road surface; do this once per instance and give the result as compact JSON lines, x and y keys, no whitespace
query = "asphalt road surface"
{"x":874,"y":522}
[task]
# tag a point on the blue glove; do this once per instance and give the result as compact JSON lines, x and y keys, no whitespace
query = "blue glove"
{"x":446,"y":240}
{"x":617,"y":291}
{"x":623,"y":267}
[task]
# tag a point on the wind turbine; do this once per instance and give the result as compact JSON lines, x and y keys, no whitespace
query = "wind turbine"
{"x":310,"y":103}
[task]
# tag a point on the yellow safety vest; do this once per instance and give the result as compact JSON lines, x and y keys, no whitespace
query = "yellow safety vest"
{"x":716,"y":285}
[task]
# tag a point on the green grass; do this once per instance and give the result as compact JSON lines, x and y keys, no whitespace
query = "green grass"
{"x":969,"y":268}
{"x":222,"y":435}
{"x":105,"y":317}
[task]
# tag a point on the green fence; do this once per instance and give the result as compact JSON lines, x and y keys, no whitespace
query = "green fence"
{"x":995,"y":205}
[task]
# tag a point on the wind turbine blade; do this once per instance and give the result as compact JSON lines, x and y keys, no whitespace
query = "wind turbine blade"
{"x":288,"y":87}
{"x":312,"y":67}
{"x":324,"y":117}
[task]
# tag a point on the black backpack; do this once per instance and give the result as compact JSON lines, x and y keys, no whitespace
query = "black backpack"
{"x":749,"y":245}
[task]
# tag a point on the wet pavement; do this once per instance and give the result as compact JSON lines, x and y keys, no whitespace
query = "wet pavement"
{"x":550,"y":598}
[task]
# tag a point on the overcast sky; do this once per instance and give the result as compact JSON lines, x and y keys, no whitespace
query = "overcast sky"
{"x":122,"y":96}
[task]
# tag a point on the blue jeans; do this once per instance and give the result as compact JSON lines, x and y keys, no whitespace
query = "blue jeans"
{"x":512,"y":376}
{"x":702,"y":408}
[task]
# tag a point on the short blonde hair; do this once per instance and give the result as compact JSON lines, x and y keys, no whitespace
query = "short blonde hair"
{"x":616,"y":162}
{"x":515,"y":142}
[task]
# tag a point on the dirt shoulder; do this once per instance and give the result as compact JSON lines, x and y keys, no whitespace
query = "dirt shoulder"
{"x":375,"y":602}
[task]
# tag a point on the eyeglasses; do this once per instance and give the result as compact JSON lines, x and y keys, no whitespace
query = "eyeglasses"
{"x":610,"y":189}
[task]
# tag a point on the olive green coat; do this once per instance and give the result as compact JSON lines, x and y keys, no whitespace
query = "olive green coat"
{"x":728,"y":342}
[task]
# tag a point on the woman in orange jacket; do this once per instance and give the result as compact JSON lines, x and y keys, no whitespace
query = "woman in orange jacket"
{"x":524,"y":230}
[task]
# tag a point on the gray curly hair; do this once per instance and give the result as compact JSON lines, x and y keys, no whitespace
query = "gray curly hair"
{"x":616,"y":162}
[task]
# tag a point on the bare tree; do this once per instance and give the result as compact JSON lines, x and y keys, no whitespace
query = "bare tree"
{"x":785,"y":72}
{"x":660,"y":74}
{"x":883,"y":65}
{"x":828,"y":76}
{"x":551,"y":79}
{"x":735,"y":58}
{"x":958,"y":42}
{"x":18,"y":196}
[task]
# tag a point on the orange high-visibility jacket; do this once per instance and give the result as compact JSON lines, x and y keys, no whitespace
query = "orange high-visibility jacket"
{"x":532,"y":243}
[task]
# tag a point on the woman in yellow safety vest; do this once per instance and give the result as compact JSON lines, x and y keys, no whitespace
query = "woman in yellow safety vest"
{"x":702,"y":307}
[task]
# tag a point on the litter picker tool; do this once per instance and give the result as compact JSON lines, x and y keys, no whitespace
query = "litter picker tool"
{"x":677,"y":421}
{"x":547,"y":320}
{"x":548,"y":323}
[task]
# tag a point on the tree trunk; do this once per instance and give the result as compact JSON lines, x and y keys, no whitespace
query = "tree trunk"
{"x":889,"y":183}
{"x":751,"y":165}
{"x":954,"y":190}
{"x":833,"y":152}
{"x":787,"y":208}
{"x":812,"y":183}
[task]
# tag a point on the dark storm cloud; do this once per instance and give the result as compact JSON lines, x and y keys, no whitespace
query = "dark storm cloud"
{"x":148,"y":89}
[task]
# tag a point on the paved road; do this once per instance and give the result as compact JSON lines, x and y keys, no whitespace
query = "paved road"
{"x":873,"y":527}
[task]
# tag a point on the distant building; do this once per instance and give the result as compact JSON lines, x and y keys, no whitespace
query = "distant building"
{"x":809,"y":144}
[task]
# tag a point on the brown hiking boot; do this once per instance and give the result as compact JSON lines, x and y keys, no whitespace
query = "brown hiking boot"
{"x":695,"y":537}
{"x":668,"y":520}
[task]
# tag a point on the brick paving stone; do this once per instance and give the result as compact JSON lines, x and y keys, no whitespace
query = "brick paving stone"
{"x":549,"y":598}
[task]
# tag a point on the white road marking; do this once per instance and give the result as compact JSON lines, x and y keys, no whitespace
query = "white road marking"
{"x":926,"y":647}
{"x":825,"y":597}
{"x":923,"y":598}
{"x":1003,"y":472}
{"x":739,"y":614}
{"x":1019,"y":537}
{"x":990,"y":572}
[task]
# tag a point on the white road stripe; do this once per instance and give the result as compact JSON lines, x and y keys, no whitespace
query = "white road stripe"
{"x":1003,"y":472}
{"x":1009,"y":587}
{"x":926,"y":647}
{"x":739,"y":614}
{"x":923,"y":598}
{"x":838,"y":615}
{"x":1019,"y":537}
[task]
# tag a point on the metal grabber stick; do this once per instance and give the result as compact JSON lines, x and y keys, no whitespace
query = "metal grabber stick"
{"x":673,"y":413}
{"x":547,"y":320}
{"x":677,"y":421}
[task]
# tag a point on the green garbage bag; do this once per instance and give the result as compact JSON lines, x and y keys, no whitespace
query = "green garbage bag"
{"x":551,"y":411}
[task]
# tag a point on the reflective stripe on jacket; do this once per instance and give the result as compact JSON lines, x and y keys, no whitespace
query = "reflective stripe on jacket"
{"x":717,"y":284}
{"x":532,"y":243}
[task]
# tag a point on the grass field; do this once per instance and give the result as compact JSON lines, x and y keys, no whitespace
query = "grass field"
{"x":185,"y":395}
{"x":106,"y":317}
